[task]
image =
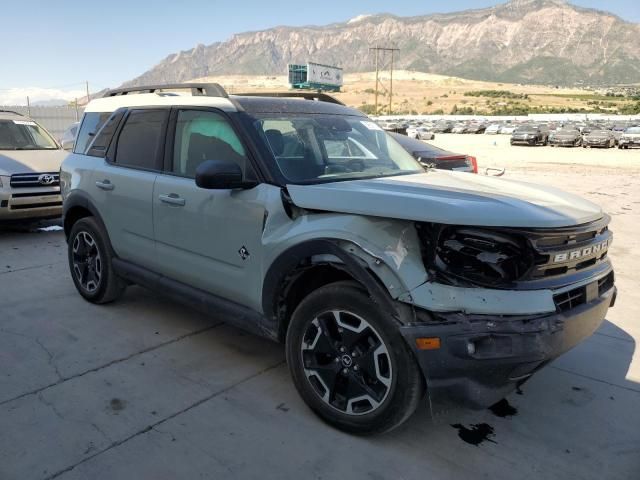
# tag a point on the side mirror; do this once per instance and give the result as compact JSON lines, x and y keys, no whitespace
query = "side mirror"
{"x":220,"y":175}
{"x":67,"y":145}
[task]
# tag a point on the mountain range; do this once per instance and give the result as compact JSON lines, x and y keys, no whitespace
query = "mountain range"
{"x":522,"y":41}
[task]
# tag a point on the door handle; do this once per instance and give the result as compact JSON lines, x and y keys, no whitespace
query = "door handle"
{"x":105,"y":185}
{"x":172,"y":199}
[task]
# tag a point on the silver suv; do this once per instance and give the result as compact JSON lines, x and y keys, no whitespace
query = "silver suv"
{"x":29,"y":167}
{"x":301,"y":220}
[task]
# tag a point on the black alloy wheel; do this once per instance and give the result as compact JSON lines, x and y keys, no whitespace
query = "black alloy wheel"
{"x":346,"y":362}
{"x":349,"y":361}
{"x":87,"y":262}
{"x":90,"y":262}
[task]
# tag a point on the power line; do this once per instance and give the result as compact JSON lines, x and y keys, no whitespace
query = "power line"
{"x":379,"y":84}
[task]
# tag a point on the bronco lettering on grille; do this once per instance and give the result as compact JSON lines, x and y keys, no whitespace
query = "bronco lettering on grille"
{"x":582,"y":252}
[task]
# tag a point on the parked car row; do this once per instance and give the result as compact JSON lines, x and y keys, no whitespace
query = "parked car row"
{"x":571,"y":135}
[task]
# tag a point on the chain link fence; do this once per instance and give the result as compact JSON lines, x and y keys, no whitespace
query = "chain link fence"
{"x":55,"y":119}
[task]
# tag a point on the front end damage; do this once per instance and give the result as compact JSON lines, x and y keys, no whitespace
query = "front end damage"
{"x":501,"y":303}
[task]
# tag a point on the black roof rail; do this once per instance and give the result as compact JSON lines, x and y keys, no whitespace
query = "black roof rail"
{"x":318,"y":97}
{"x":11,"y":111}
{"x":197,"y":89}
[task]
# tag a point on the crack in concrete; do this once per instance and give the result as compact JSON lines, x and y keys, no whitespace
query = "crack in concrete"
{"x":33,"y":267}
{"x":51,"y":358}
{"x":595,"y":379}
{"x":153,"y":426}
{"x":629,"y":340}
{"x":37,"y":340}
{"x":58,"y":414}
{"x":101,"y":432}
{"x":51,"y":406}
{"x":106,"y":365}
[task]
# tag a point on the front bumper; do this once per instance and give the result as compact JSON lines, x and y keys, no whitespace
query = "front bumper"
{"x":482,"y":358}
{"x":631,"y":142}
{"x":30,"y":203}
{"x":596,"y":143}
{"x":523,"y":141}
{"x":564,"y":143}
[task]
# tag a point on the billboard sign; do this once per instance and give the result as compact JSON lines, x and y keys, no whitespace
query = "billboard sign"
{"x":324,"y":74}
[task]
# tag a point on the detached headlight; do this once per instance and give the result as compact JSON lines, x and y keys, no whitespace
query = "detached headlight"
{"x":482,"y":257}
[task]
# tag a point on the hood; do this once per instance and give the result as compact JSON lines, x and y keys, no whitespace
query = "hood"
{"x":454,"y":198}
{"x":30,"y":161}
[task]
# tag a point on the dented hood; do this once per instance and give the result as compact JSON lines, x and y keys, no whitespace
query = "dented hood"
{"x":451,"y":198}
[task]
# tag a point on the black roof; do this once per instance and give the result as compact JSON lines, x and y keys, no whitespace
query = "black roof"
{"x":254,"y":104}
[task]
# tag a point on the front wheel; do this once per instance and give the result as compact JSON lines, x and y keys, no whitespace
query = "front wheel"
{"x":350,"y":363}
{"x":90,"y":263}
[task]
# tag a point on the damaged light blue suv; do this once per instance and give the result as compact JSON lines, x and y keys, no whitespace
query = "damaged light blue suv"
{"x":302,"y":221}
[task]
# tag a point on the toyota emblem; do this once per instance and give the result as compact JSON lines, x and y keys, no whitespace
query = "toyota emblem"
{"x":46,"y":179}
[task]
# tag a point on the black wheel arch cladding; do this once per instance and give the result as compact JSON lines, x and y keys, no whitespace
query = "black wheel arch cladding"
{"x":277,"y":278}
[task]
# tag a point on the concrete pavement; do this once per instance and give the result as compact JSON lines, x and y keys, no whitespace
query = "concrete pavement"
{"x":148,"y":389}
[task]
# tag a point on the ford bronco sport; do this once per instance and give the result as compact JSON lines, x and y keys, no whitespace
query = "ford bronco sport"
{"x":302,"y":221}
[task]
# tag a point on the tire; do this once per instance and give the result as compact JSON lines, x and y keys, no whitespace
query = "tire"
{"x":90,"y":265}
{"x":371,"y":389}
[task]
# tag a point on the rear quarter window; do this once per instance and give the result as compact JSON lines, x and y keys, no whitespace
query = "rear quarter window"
{"x":91,"y":123}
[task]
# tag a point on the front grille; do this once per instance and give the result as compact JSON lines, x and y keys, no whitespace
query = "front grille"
{"x":605,"y":284}
{"x":571,"y":299}
{"x":26,"y":206}
{"x":30,"y":180}
{"x":581,"y":295}
{"x":35,"y":194}
{"x":568,"y":250}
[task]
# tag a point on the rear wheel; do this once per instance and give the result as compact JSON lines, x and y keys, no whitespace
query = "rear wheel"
{"x":349,"y":362}
{"x":90,"y":263}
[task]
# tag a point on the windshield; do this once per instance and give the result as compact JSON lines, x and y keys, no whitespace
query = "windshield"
{"x":24,"y":135}
{"x":326,"y":148}
{"x":634,"y":130}
{"x":526,"y":130}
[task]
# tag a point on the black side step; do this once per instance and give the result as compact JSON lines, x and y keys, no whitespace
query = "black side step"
{"x":205,"y":302}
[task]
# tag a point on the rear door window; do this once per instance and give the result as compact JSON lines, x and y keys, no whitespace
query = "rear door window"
{"x":140,"y":141}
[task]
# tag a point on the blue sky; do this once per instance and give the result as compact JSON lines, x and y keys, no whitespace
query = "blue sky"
{"x":58,"y":45}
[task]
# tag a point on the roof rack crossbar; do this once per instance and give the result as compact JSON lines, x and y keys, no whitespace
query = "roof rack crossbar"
{"x":197,"y":89}
{"x":317,"y":96}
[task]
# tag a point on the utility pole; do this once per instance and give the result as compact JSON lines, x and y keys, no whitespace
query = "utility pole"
{"x":377,"y":81}
{"x":379,"y":84}
{"x":391,"y":85}
{"x":28,"y":106}
{"x":87,"y":83}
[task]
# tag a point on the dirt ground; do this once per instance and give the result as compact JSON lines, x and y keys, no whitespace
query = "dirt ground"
{"x":145,"y":388}
{"x":423,"y":92}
